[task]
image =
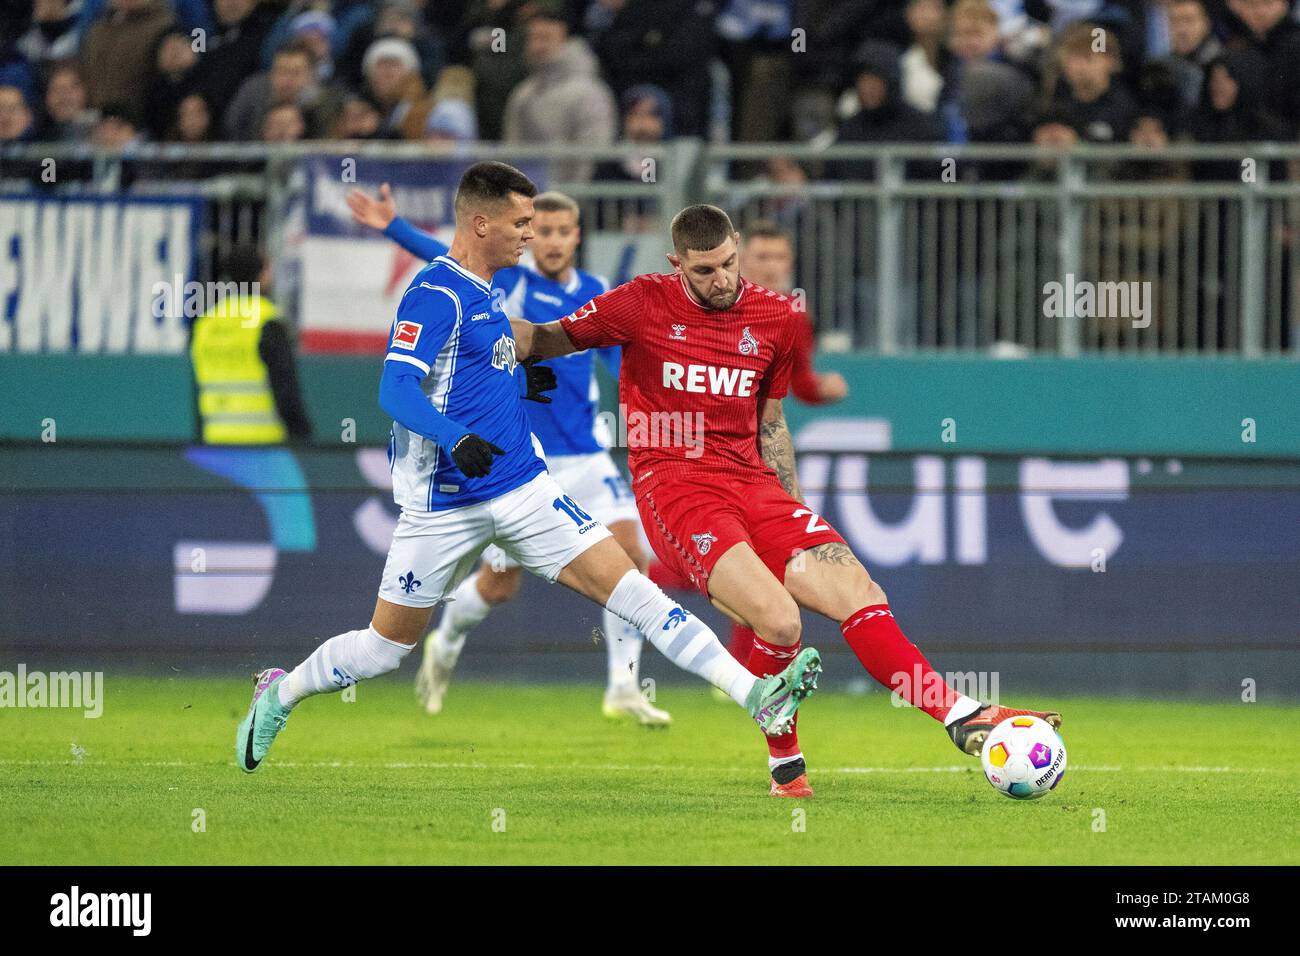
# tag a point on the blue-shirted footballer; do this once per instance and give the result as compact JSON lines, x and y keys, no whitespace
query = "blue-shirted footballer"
{"x":467,"y":475}
{"x":575,"y":440}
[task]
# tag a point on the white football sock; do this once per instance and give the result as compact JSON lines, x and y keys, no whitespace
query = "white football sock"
{"x":623,"y":647}
{"x":774,"y":762}
{"x":683,"y":639}
{"x":465,"y":611}
{"x":964,"y":707}
{"x":340,"y":662}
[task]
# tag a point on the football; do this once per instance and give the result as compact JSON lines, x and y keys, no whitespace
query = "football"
{"x":1024,"y":758}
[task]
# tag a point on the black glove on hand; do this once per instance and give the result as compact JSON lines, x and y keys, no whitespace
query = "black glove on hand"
{"x":473,"y":455}
{"x":541,"y":378}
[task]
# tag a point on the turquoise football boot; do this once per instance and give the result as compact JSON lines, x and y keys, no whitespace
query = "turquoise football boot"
{"x":266,"y":718}
{"x":773,"y":701}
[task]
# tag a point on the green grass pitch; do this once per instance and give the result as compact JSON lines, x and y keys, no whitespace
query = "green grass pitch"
{"x":533,"y":774}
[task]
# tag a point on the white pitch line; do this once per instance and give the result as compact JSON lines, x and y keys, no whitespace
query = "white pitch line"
{"x":628,"y":768}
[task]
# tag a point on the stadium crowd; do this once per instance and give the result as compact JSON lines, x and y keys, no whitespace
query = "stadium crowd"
{"x":114,"y":72}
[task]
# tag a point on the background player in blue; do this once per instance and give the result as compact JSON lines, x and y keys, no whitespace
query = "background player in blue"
{"x":467,"y":473}
{"x":569,"y":432}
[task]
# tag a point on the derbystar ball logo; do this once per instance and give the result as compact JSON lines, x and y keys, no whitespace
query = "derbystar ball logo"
{"x":406,"y":335}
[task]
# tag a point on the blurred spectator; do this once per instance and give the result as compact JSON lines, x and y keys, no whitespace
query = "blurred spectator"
{"x":1234,"y":109}
{"x":882,"y":115}
{"x":55,"y":32}
{"x":17,"y":124}
{"x":1192,"y":46}
{"x":451,"y":121}
{"x":399,"y":19}
{"x":997,"y":103}
{"x":1088,"y":95}
{"x":359,"y":119}
{"x":392,"y":70}
{"x":66,"y":117}
{"x":119,"y":52}
{"x":973,"y":36}
{"x":767,"y":258}
{"x":647,"y":120}
{"x":492,"y":31}
{"x":170,"y":80}
{"x":315,"y":30}
{"x":973,"y":39}
{"x":291,"y":80}
{"x":563,"y":99}
{"x":1151,"y":130}
{"x":116,"y":130}
{"x":283,"y":123}
{"x":923,"y":63}
{"x":233,"y":50}
{"x":833,"y":30}
{"x":452,"y":118}
{"x":193,"y":122}
{"x":190,"y":15}
{"x":665,"y":42}
{"x":1267,"y":30}
{"x":755,"y":42}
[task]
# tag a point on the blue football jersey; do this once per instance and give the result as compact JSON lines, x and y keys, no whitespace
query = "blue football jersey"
{"x":567,"y":426}
{"x":452,"y":328}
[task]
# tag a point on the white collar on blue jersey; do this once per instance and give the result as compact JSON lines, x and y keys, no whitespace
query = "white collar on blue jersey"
{"x":448,"y":260}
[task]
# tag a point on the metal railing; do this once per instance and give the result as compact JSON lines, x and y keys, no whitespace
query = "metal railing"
{"x":900,"y":248}
{"x":1011,"y":248}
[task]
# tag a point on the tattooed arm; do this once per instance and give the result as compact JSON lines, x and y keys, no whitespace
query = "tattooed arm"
{"x":777,"y":447}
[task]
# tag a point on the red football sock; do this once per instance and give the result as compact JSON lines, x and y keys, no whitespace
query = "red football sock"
{"x":742,"y":642}
{"x":894,"y":661}
{"x":766,"y":659}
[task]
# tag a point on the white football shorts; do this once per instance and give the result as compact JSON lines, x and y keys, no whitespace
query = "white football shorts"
{"x":537,"y":525}
{"x":593,"y":481}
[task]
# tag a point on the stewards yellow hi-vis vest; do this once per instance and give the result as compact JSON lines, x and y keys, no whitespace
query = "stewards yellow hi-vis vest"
{"x":236,"y":404}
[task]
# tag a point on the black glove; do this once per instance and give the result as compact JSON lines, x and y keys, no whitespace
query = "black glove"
{"x":473,"y":455}
{"x":541,"y":378}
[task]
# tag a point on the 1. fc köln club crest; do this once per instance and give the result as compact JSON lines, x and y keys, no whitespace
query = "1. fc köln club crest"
{"x":703,"y":541}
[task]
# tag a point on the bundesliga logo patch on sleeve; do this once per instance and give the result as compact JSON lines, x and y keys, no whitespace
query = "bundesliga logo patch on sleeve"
{"x":406,"y":335}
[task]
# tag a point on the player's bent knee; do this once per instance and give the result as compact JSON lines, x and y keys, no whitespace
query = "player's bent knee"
{"x":497,"y":587}
{"x":872,"y":593}
{"x":779,"y":624}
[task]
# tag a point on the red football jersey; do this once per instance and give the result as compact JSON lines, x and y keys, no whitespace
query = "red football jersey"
{"x":692,"y":379}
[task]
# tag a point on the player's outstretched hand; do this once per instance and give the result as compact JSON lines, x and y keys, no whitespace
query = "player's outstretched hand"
{"x":375,"y":213}
{"x":473,"y":455}
{"x":541,"y":378}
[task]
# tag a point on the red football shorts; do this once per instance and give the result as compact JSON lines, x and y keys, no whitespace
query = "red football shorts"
{"x":691,"y":526}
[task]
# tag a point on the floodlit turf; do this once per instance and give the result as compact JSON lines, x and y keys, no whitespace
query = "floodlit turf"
{"x":375,"y":781}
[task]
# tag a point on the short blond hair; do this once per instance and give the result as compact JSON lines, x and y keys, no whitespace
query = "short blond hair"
{"x":974,"y":11}
{"x":553,"y":201}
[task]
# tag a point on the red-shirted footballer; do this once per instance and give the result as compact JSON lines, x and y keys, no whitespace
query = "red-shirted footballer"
{"x":706,"y":361}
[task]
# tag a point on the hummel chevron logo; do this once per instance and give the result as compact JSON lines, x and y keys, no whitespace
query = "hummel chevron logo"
{"x":408,"y":582}
{"x":868,"y":615}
